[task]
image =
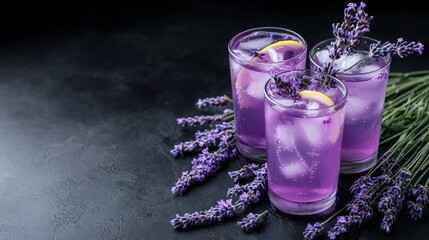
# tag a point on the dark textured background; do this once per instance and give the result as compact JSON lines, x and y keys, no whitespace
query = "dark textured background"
{"x":88,"y":101}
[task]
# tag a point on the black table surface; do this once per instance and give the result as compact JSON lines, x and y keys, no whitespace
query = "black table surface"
{"x":88,"y":102}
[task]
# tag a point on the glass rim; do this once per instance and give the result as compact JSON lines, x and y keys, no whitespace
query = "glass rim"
{"x":312,"y":51}
{"x":233,"y":41}
{"x":329,"y":108}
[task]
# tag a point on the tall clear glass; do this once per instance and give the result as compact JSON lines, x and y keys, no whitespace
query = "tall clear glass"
{"x":253,"y":56}
{"x":366,"y":83}
{"x":303,"y":146}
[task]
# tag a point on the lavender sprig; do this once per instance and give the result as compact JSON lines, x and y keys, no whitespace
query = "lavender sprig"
{"x":341,"y":226}
{"x":225,"y":209}
{"x":401,"y":48}
{"x":421,"y":200}
{"x":204,"y":139}
{"x":311,"y":231}
{"x":245,"y":172}
{"x":199,"y":120}
{"x":349,"y":33}
{"x":213,"y":101}
{"x":251,"y":221}
{"x":205,"y":165}
{"x":391,"y":202}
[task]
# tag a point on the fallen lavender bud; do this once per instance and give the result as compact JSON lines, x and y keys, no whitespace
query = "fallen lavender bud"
{"x":213,"y":101}
{"x":199,"y":120}
{"x":251,"y":221}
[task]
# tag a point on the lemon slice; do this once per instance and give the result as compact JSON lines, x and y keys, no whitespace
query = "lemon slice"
{"x":250,"y":83}
{"x":331,"y":125}
{"x":316,"y":96}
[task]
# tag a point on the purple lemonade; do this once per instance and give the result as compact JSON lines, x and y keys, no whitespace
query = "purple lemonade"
{"x":304,"y":137}
{"x":366,"y":82}
{"x":254,"y":55}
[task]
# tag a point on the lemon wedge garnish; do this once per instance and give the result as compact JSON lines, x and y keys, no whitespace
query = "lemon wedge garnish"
{"x":285,"y":43}
{"x":316,"y":96}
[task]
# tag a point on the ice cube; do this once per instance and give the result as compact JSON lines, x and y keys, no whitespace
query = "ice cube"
{"x":293,"y":169}
{"x":312,"y":105}
{"x":256,"y":88}
{"x":283,"y":136}
{"x":357,"y":107}
{"x":275,"y":56}
{"x":310,"y":132}
{"x":346,"y":61}
{"x":256,"y":43}
{"x":323,"y":56}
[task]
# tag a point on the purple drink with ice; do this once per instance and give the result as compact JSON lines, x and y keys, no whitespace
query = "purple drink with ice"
{"x":366,"y":82}
{"x":303,"y":146}
{"x":253,"y":56}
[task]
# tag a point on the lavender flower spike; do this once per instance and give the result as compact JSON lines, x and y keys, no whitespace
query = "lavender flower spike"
{"x":349,"y":33}
{"x":213,"y":101}
{"x":199,"y":120}
{"x":416,"y":210}
{"x":401,"y":48}
{"x":311,"y":231}
{"x":245,"y":172}
{"x":251,"y":221}
{"x":341,"y":226}
{"x":223,"y":209}
{"x":204,"y":139}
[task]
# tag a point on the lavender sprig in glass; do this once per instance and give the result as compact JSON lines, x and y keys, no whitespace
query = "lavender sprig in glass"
{"x":348,"y":36}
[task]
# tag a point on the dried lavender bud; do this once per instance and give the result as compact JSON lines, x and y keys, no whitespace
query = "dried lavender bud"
{"x":289,"y":86}
{"x":311,"y":231}
{"x":257,"y":54}
{"x":362,"y":184}
{"x":388,"y":165}
{"x":199,"y":120}
{"x":401,"y":48}
{"x":360,"y":208}
{"x":245,"y":172}
{"x":416,"y":210}
{"x":251,"y":221}
{"x":341,"y":226}
{"x":213,"y":101}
